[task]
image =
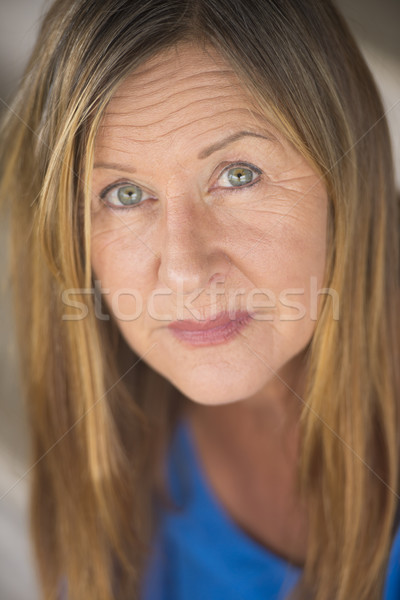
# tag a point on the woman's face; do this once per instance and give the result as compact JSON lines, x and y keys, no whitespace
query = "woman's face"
{"x":204,"y":212}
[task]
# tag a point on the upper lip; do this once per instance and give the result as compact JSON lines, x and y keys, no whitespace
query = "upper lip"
{"x":219,"y":320}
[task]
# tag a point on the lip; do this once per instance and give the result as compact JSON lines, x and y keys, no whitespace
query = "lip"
{"x":217,"y":330}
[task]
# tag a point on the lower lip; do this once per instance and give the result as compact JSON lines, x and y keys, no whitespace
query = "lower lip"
{"x":211,"y":337}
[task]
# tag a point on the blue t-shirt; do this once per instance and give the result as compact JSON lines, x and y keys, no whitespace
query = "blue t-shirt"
{"x":200,"y":553}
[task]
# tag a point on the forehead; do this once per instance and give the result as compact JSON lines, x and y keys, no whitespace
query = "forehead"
{"x":183,"y":90}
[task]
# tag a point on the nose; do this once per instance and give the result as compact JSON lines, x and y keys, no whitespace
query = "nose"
{"x":191,"y":254}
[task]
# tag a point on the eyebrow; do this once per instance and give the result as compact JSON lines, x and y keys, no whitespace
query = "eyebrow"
{"x":203,"y":154}
{"x":230,"y":139}
{"x":114,"y":167}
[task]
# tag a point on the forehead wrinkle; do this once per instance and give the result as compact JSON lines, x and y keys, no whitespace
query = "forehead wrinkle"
{"x":178,"y":93}
{"x":133,"y":80}
{"x":258,"y":120}
{"x":172,"y":114}
{"x":102,"y":147}
{"x":173,"y":130}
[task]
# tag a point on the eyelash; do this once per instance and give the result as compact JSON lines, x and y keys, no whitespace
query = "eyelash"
{"x":116,"y":185}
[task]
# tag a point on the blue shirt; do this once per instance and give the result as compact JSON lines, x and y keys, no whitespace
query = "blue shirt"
{"x":199,"y":553}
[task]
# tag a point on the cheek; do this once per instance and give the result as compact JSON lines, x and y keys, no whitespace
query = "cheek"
{"x":279,"y":250}
{"x":283,"y":256}
{"x":121,"y":263}
{"x":119,"y":253}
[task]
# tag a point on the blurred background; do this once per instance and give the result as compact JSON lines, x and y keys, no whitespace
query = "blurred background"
{"x":376,"y":24}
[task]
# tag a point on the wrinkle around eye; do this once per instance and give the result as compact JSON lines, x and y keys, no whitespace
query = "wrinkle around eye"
{"x":298,"y":186}
{"x":110,"y":223}
{"x":107,"y":230}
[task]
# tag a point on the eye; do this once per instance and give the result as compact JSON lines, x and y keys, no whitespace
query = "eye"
{"x":240,"y":175}
{"x":123,"y":195}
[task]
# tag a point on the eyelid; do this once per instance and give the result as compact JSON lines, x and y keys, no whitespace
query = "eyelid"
{"x":114,"y":185}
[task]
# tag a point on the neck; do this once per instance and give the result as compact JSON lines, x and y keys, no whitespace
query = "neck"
{"x":249,"y":451}
{"x":270,"y":416}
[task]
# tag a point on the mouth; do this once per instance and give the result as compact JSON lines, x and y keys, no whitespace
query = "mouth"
{"x":216,"y":330}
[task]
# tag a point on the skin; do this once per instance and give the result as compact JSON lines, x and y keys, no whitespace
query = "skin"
{"x":194,"y":231}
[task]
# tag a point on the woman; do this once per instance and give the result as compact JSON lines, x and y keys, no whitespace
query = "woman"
{"x":206,"y":271}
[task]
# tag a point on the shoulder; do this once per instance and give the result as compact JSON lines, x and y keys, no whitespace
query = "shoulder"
{"x":392,"y":584}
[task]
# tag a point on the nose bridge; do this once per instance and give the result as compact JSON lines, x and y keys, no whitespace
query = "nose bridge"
{"x":188,"y":245}
{"x":181,"y":214}
{"x":183,"y":250}
{"x":175,"y":181}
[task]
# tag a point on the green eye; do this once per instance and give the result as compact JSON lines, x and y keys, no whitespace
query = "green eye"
{"x":239,"y":176}
{"x":125,"y":195}
{"x":129,"y":194}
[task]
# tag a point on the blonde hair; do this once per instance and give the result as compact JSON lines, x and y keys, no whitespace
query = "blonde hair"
{"x":100,"y":417}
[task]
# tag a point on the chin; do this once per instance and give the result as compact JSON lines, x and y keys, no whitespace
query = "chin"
{"x":225,"y":388}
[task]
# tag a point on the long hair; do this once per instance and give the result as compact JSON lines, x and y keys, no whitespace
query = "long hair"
{"x":99,"y":416}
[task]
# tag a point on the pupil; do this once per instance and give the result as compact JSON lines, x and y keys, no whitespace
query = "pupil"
{"x":240,"y":176}
{"x":129,"y":195}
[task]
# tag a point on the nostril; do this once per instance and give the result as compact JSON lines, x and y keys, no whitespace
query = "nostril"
{"x":217,"y":278}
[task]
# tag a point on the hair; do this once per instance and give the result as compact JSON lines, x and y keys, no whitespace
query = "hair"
{"x":100,"y":417}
